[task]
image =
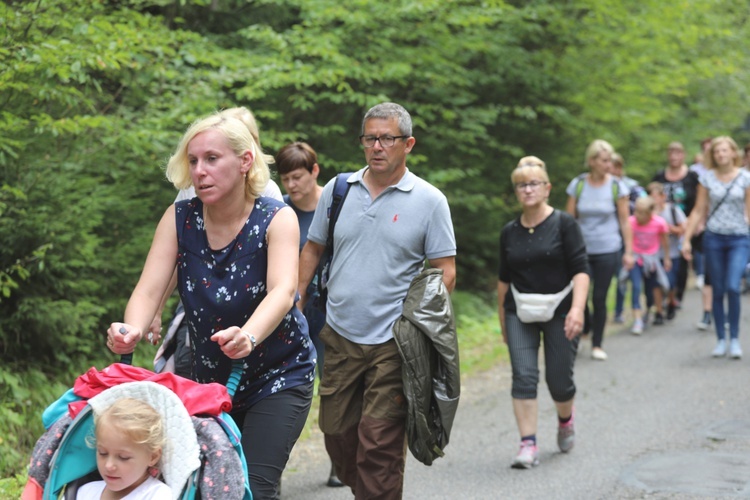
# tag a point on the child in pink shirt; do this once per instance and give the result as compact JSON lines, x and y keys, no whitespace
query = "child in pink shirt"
{"x":650,"y":232}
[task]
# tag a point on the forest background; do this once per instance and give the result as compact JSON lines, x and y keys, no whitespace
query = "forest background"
{"x":94,"y":96}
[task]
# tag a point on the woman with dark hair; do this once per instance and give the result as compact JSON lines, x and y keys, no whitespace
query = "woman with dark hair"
{"x":297,"y":164}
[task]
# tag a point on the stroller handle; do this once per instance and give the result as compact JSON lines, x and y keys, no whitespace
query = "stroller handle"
{"x":232,"y":382}
{"x":125,"y":359}
{"x":234,"y":377}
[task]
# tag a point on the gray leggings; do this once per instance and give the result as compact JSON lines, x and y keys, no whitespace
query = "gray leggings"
{"x":559,"y":357}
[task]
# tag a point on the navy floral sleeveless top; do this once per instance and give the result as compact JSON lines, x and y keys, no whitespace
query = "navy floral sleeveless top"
{"x":222,"y":288}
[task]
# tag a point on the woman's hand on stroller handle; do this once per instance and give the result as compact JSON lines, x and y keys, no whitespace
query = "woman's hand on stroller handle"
{"x":122,"y":338}
{"x":234,"y":342}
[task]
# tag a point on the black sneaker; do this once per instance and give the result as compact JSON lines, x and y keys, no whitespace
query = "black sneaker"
{"x":671,"y":311}
{"x":333,"y":479}
{"x":658,"y":319}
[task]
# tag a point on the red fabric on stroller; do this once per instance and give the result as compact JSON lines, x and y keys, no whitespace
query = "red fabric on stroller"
{"x":199,"y":399}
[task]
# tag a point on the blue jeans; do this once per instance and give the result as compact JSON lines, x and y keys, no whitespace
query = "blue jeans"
{"x":698,"y":262}
{"x":673,"y":273}
{"x":637,"y":278}
{"x":725,"y":258}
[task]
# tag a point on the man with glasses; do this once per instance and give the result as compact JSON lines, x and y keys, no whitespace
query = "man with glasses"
{"x":391,"y":221}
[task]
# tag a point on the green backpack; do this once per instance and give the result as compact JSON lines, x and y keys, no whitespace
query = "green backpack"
{"x":581,"y":179}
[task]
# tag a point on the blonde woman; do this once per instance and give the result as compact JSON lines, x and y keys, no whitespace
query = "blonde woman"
{"x":723,"y":200}
{"x":541,"y":252}
{"x":180,"y":363}
{"x":236,"y":254}
{"x":601,"y":205}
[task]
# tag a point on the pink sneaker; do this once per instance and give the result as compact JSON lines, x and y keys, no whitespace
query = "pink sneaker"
{"x":528,"y":456}
{"x":566,"y":434}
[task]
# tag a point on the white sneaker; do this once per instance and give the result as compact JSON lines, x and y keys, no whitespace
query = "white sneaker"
{"x":637,"y":327}
{"x":598,"y":354}
{"x":720,"y":349}
{"x":528,"y":456}
{"x":735,"y":350}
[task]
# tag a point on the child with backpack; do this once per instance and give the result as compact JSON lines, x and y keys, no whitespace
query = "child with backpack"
{"x":650,"y":233}
{"x":636,"y":191}
{"x":676,"y":220}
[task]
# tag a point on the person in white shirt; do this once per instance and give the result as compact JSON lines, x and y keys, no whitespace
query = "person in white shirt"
{"x":129,"y":438}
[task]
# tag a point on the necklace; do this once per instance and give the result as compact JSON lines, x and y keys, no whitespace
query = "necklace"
{"x":531,"y":227}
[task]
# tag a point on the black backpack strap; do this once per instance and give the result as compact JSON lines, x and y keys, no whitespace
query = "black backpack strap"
{"x":340,"y":190}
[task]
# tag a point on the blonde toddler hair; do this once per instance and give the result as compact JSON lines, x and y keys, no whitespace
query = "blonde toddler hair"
{"x":139,"y":421}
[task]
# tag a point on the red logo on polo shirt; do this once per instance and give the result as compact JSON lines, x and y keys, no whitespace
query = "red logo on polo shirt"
{"x":395,"y":218}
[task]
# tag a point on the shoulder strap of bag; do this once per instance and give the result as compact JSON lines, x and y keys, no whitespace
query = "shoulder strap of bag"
{"x":723,"y":197}
{"x":579,"y":185}
{"x":579,"y":189}
{"x":340,"y":190}
{"x":580,"y":179}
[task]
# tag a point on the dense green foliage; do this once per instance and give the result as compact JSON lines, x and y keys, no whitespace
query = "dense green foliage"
{"x":95,"y":95}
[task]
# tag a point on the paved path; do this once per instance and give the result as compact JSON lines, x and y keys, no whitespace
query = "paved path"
{"x":660,"y":419}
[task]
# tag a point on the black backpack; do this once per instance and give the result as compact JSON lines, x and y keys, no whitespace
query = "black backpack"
{"x":323,"y":271}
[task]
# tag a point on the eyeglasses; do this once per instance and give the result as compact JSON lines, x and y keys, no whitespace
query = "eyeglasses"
{"x":521,"y":186}
{"x":387,"y":141}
